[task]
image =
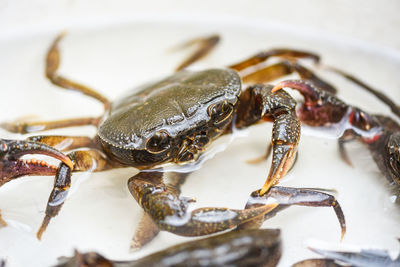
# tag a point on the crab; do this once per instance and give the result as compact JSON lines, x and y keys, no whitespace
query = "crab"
{"x":173,"y":120}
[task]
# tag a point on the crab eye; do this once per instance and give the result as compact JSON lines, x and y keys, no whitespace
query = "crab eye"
{"x":159,"y":142}
{"x":220,"y":113}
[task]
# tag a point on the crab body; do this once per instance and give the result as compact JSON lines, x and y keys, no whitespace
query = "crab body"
{"x":171,"y":120}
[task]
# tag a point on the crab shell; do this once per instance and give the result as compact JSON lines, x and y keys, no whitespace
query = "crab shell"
{"x":171,"y":120}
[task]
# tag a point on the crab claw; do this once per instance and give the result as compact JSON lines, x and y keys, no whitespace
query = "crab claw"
{"x":11,"y":166}
{"x":285,"y":139}
{"x":282,"y":160}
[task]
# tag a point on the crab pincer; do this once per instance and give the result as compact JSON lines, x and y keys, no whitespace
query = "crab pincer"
{"x":12,"y":166}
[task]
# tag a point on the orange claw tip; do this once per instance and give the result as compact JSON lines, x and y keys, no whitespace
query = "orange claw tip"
{"x":268,"y":184}
{"x":68,"y":162}
{"x":277,"y":87}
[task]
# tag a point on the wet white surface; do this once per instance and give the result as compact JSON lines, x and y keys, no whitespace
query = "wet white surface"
{"x":100,"y":213}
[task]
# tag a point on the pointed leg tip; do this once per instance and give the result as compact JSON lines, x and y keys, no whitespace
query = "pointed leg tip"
{"x":43,"y":227}
{"x":39,"y":235}
{"x":343,"y":233}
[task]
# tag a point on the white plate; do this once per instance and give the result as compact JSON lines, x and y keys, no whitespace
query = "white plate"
{"x":100,"y":213}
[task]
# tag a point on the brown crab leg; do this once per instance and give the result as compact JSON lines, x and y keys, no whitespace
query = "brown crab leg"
{"x":381,"y":96}
{"x":172,"y":213}
{"x":286,"y":197}
{"x":283,"y":68}
{"x":263,"y":56}
{"x":205,"y":46}
{"x":64,"y":143}
{"x":83,"y":160}
{"x":31,"y":127}
{"x":347,"y":136}
{"x":52,"y":64}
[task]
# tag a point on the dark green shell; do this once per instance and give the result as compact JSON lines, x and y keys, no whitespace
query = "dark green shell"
{"x":176,"y":104}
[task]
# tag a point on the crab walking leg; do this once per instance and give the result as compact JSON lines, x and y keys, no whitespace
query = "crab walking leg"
{"x":287,"y":196}
{"x":147,"y":229}
{"x":173,"y":213}
{"x":65,"y":143}
{"x":283,"y":68}
{"x":52,"y":64}
{"x":83,"y":160}
{"x":263,"y":56}
{"x":205,"y":46}
{"x":12,"y":166}
{"x":381,"y":96}
{"x":347,"y":136}
{"x":23,"y":127}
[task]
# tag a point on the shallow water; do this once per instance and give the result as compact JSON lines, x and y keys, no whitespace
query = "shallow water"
{"x":100,"y":213}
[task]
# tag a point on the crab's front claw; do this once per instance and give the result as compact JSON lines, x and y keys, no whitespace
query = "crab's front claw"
{"x":285,"y":139}
{"x":174,"y":214}
{"x":12,"y":166}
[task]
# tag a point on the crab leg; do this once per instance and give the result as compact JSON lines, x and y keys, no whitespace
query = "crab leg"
{"x":283,"y":68}
{"x":52,"y":64}
{"x":31,"y":127}
{"x":205,"y":46}
{"x":263,"y":56}
{"x":173,"y":213}
{"x":286,"y":197}
{"x":381,"y":96}
{"x":64,"y":143}
{"x":278,"y":70}
{"x":83,"y":160}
